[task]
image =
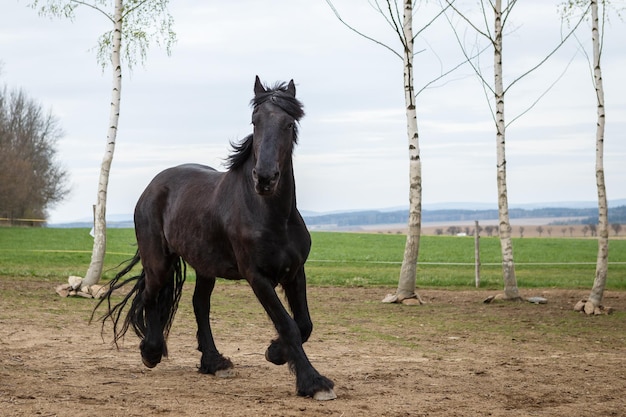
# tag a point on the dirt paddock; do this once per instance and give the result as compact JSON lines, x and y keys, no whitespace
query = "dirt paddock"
{"x":453,"y":356}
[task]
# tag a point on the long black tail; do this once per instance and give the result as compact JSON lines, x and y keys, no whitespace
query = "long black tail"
{"x":167,"y":301}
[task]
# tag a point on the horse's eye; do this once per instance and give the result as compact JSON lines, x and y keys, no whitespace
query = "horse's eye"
{"x":290,"y":125}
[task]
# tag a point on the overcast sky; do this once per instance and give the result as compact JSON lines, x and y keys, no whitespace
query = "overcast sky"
{"x":353,"y":145}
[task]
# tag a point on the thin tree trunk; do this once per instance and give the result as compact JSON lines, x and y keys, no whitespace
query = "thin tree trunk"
{"x":597,"y":291}
{"x":408,"y":272}
{"x":508,"y":266}
{"x":99,"y":245}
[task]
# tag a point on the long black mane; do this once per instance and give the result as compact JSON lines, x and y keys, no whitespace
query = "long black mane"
{"x":278,"y":96}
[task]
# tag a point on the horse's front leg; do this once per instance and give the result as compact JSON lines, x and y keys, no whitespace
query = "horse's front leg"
{"x":212,"y":362}
{"x":295,"y":291}
{"x":309,"y":382}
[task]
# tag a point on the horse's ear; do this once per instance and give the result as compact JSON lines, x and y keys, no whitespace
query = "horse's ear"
{"x":291,"y":88}
{"x":258,"y":86}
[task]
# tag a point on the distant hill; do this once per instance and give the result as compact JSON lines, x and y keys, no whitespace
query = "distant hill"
{"x":113,"y":224}
{"x":577,"y":212}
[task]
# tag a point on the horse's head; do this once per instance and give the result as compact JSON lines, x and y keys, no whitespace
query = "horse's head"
{"x":275,"y":117}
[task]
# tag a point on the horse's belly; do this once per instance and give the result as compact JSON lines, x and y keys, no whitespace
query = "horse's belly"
{"x":215,"y":262}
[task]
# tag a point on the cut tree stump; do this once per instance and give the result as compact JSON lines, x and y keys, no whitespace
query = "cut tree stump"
{"x":415,"y":300}
{"x":74,"y":289}
{"x":584,"y":306}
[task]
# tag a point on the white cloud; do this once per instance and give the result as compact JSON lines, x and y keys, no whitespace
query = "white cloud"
{"x":352,"y":152}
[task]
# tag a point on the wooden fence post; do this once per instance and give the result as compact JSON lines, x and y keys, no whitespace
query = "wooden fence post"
{"x":476,"y":254}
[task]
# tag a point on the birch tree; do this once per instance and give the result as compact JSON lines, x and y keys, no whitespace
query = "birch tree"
{"x":497,"y":88}
{"x":401,"y":21}
{"x":135,"y":25}
{"x":597,"y":291}
{"x":593,"y":304}
{"x":408,"y":271}
{"x":506,"y":245}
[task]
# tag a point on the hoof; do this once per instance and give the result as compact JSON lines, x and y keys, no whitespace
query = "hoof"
{"x":315,"y":386}
{"x":148,"y":363}
{"x":276,"y":354}
{"x":216,"y":365}
{"x":152,"y":354}
{"x":325,"y":395}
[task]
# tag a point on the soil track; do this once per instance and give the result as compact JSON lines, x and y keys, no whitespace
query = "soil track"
{"x":454,"y":356}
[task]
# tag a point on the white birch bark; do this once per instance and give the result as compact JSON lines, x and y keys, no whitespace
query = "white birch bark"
{"x":408,"y":272}
{"x":99,"y":247}
{"x":508,"y":266}
{"x":597,"y":291}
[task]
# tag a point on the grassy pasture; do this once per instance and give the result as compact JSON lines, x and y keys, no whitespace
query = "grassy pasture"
{"x":344,"y":259}
{"x":452,"y":356}
{"x":448,"y":261}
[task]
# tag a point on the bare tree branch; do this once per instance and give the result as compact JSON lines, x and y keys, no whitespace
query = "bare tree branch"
{"x":94,"y":7}
{"x":468,"y":59}
{"x":132,"y":9}
{"x":376,"y":6}
{"x":336,"y":12}
{"x":476,"y":68}
{"x":427,"y":25}
{"x":582,"y":48}
{"x":558,"y":46}
{"x":534,"y":103}
{"x":396,"y":24}
{"x":507,"y":12}
{"x":450,"y":71}
{"x":469,"y":22}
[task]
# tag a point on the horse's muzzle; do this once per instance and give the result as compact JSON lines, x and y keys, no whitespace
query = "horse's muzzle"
{"x":265,"y":184}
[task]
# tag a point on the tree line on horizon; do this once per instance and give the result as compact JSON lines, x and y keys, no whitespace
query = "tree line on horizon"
{"x":588,"y":216}
{"x":566,"y":229}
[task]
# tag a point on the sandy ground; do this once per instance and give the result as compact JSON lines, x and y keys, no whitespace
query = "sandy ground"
{"x":453,"y":356}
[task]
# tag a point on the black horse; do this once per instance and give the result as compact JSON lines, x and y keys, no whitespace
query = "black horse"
{"x":239,"y":224}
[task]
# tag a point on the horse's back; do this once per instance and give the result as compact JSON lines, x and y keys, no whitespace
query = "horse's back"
{"x":182,"y":174}
{"x":177,"y":179}
{"x":172,"y":189}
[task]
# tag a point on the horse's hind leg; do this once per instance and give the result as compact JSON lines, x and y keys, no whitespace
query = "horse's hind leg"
{"x":212,"y":362}
{"x":153,"y":346}
{"x":157,"y":307}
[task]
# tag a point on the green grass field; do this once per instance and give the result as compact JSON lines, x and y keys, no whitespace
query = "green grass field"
{"x":344,"y":259}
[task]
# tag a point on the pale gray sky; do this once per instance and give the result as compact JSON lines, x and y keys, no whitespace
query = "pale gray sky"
{"x":353,"y":146}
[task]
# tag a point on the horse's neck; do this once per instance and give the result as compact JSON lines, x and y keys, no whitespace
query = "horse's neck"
{"x":283,"y":203}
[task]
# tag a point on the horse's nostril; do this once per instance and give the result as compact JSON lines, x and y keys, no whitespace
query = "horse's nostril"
{"x":265,"y":178}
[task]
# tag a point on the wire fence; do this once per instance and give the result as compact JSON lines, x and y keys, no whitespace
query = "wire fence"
{"x":456,"y":263}
{"x":350,"y":261}
{"x":9,"y":221}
